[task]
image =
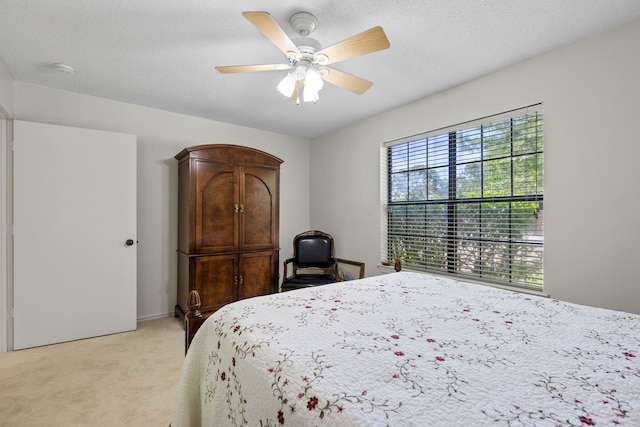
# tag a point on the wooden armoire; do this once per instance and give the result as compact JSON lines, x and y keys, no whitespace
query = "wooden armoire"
{"x":228,"y":224}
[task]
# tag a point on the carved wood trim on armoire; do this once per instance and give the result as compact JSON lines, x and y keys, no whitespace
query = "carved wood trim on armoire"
{"x":228,"y":224}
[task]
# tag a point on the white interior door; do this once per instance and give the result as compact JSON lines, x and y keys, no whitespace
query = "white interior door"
{"x":74,"y":203}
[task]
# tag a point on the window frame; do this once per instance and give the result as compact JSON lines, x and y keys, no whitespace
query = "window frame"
{"x":452,"y":202}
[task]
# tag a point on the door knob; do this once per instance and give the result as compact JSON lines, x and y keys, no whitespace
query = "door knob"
{"x":129,"y":242}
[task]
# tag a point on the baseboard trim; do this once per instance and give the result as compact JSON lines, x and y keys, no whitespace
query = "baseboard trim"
{"x":156,"y":316}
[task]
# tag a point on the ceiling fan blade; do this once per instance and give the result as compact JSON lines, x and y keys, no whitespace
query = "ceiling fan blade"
{"x":265,"y":23}
{"x":372,"y":40}
{"x":252,"y":68}
{"x":347,"y":81}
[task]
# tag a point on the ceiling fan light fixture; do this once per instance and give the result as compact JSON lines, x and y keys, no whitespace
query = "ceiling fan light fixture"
{"x":312,"y":80}
{"x":300,"y":71}
{"x":287,"y":85}
{"x":321,"y":59}
{"x":322,"y":71}
{"x":309,"y":95}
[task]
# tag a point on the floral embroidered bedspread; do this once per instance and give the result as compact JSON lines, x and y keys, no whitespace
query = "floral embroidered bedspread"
{"x":410,"y":349}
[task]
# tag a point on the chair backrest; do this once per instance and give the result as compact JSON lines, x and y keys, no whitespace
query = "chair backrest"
{"x":313,"y":249}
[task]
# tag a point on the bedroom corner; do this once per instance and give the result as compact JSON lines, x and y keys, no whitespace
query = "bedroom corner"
{"x":7,"y":88}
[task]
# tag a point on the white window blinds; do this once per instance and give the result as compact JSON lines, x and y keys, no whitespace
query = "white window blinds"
{"x":467,"y":200}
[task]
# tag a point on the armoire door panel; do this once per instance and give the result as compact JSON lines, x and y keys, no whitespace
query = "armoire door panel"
{"x":215,"y":279}
{"x":258,"y":271}
{"x":216,"y":199}
{"x":259,"y":191}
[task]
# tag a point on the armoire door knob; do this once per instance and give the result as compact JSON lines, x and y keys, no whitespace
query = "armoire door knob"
{"x":129,"y":242}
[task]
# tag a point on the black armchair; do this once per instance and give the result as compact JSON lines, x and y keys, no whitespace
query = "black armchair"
{"x":313,"y":261}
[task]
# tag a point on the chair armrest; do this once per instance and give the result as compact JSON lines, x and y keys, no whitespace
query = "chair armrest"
{"x":349,"y":270}
{"x":284,"y":270}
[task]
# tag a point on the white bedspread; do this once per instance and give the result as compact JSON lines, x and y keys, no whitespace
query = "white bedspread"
{"x":409,"y":349}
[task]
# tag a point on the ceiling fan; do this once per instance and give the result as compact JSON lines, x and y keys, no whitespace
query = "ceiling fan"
{"x":306,"y":60}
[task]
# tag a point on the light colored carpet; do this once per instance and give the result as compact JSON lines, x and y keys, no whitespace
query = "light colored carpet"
{"x":126,"y":379}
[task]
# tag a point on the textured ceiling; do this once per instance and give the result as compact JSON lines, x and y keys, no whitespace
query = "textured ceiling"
{"x":162,"y":53}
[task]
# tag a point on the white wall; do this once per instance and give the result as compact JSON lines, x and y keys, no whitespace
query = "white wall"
{"x":7,"y":88}
{"x":591,"y":96}
{"x":161,"y":135}
{"x":590,"y":92}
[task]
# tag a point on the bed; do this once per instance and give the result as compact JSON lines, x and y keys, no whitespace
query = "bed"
{"x":409,"y":349}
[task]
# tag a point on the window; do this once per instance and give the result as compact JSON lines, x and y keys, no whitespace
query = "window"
{"x":467,"y":200}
